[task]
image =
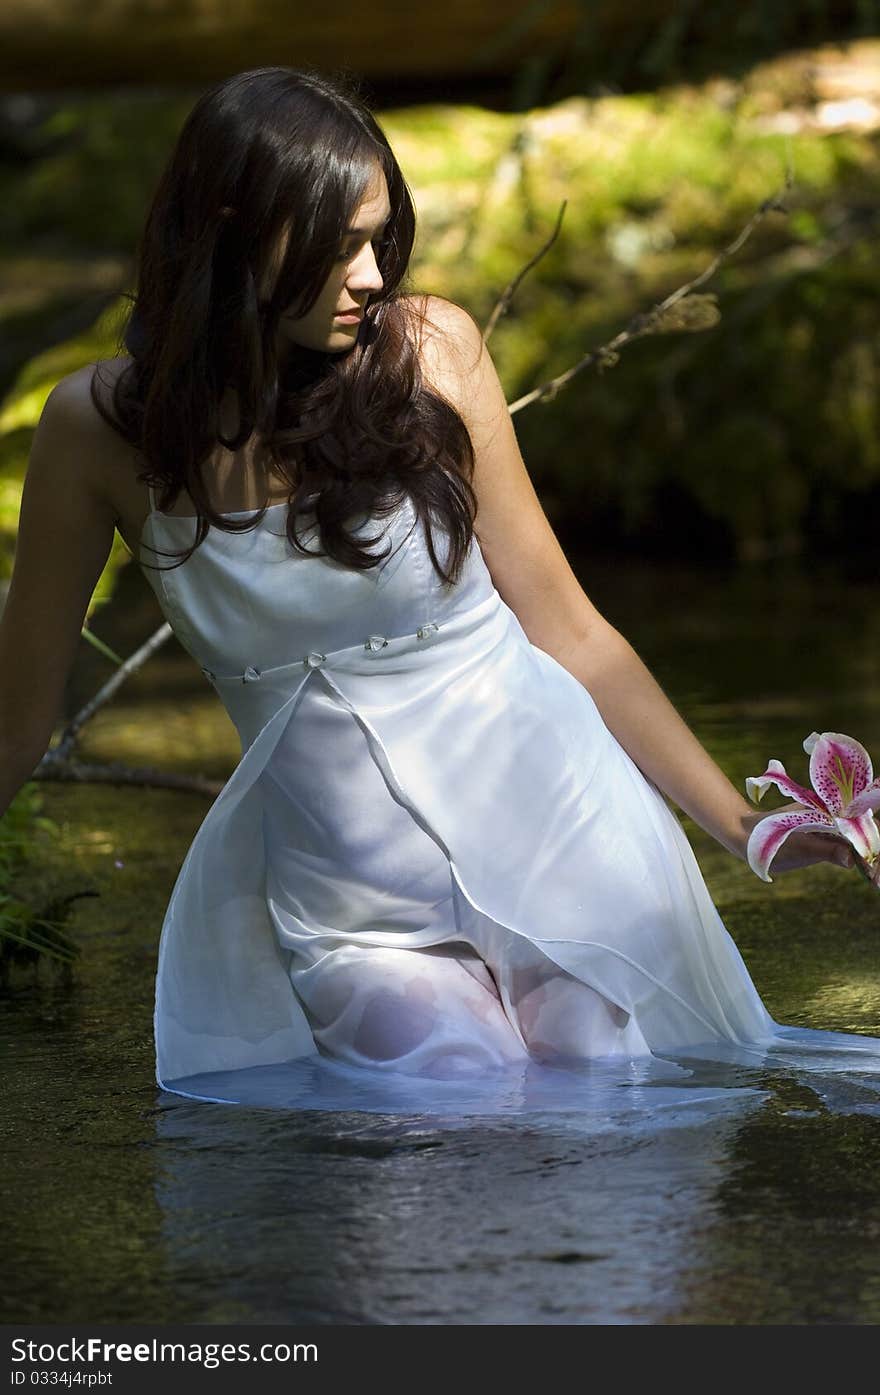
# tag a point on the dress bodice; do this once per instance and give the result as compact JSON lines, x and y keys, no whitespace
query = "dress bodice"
{"x":249,"y":600}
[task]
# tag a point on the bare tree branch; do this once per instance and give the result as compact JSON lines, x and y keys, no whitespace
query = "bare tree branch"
{"x":58,"y":765}
{"x":132,"y":663}
{"x":778,"y":272}
{"x":52,"y":767}
{"x":507,"y":295}
{"x":680,"y":310}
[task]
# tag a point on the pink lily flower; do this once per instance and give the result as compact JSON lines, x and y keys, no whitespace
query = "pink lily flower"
{"x":842,"y":801}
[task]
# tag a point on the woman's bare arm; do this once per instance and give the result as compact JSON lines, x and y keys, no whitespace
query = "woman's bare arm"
{"x":64,"y":537}
{"x":532,"y":574}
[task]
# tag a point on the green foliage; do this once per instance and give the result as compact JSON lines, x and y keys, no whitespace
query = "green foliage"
{"x":28,"y":933}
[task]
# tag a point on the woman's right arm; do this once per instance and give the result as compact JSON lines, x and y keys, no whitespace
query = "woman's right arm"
{"x":65,"y":533}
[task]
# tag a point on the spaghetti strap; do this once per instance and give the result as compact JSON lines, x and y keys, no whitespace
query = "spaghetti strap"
{"x":152,"y":498}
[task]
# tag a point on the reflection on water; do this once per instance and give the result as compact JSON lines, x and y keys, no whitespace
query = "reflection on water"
{"x":369,"y":1218}
{"x":742,"y":1189}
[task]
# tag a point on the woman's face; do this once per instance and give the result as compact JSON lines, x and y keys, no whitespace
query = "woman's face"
{"x":354,"y":278}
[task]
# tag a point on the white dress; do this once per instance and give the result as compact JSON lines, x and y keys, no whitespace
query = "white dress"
{"x":433,"y":857}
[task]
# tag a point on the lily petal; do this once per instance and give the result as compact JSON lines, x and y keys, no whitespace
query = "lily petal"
{"x":840,"y":769}
{"x":868,"y":799}
{"x":767,"y":837}
{"x":863,"y":833}
{"x":775,"y":774}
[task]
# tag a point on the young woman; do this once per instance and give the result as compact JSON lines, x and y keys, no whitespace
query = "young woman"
{"x":445,"y":849}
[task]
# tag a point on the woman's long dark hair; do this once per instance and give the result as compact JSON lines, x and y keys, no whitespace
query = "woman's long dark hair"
{"x":352,"y":433}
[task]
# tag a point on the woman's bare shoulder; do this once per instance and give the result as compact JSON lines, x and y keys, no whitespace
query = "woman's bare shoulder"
{"x":436,"y":310}
{"x":447,"y":339}
{"x":71,"y":417}
{"x":70,"y":405}
{"x":72,"y":395}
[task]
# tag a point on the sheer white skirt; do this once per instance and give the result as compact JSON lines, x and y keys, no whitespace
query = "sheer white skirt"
{"x":362,"y":898}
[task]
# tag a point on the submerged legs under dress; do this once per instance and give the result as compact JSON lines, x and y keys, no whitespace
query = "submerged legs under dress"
{"x":362,"y":898}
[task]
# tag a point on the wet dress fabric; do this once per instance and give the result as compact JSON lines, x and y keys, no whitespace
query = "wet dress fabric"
{"x":433,"y":858}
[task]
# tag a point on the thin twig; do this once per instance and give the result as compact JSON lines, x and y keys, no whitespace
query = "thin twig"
{"x":507,"y":295}
{"x":777,"y":273}
{"x":104,"y":694}
{"x":650,"y":322}
{"x":85,"y":773}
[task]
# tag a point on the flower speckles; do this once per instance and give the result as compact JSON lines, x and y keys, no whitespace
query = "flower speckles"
{"x":842,"y":800}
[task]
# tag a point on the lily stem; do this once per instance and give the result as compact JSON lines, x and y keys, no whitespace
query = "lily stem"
{"x":862,"y":865}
